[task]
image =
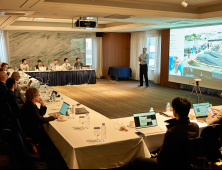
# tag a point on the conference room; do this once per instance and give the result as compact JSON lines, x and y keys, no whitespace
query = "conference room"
{"x":110,"y":84}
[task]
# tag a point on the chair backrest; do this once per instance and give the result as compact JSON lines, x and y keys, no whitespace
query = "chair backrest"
{"x":211,"y":137}
{"x":22,"y":154}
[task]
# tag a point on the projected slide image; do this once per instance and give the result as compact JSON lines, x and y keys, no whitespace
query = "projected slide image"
{"x":196,"y":52}
{"x":202,"y":54}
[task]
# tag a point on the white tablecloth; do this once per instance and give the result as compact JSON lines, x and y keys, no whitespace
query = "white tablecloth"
{"x":80,"y":151}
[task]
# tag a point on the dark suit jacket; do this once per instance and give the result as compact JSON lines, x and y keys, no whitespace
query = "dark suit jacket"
{"x":37,"y":66}
{"x":32,"y":120}
{"x":175,"y":149}
{"x":12,"y":100}
{"x":3,"y":89}
{"x":78,"y":64}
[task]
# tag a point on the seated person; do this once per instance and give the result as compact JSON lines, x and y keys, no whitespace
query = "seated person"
{"x":24,"y":66}
{"x":16,"y":76}
{"x":216,"y":119}
{"x":3,"y":87}
{"x":10,"y":96}
{"x":39,"y":64}
{"x":5,"y":69}
{"x":78,"y":63}
{"x":53,"y":65}
{"x":174,"y":152}
{"x":32,"y":119}
{"x":66,"y":64}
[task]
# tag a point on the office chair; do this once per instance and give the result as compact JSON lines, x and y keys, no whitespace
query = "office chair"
{"x":211,"y":137}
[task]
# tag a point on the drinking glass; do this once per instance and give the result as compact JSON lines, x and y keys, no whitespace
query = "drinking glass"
{"x":82,"y":120}
{"x":97,"y":132}
{"x":58,"y":104}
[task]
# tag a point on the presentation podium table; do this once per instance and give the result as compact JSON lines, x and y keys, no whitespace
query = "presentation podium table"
{"x":61,"y":78}
{"x":120,"y":72}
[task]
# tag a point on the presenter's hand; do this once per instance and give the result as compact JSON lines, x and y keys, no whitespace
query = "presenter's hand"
{"x":221,"y":95}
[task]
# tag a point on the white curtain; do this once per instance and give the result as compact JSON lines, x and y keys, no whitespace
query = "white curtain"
{"x":138,"y":42}
{"x":4,"y":47}
{"x":157,"y":58}
{"x":97,"y":62}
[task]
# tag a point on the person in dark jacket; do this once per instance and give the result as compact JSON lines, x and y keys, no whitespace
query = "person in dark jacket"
{"x":174,"y":153}
{"x":10,"y":96}
{"x":39,"y":64}
{"x":32,"y":119}
{"x":3,"y":87}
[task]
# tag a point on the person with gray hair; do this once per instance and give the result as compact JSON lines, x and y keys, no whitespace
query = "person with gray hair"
{"x":144,"y":63}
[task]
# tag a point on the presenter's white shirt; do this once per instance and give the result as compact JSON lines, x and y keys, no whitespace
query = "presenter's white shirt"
{"x":65,"y":65}
{"x":26,"y":67}
{"x":173,"y":72}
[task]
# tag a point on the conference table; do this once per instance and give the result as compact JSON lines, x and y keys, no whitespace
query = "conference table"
{"x":61,"y":78}
{"x":79,"y":148}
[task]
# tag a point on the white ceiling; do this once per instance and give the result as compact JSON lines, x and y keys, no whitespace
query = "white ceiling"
{"x":146,"y":14}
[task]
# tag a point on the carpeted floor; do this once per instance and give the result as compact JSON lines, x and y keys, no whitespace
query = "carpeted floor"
{"x":124,"y":98}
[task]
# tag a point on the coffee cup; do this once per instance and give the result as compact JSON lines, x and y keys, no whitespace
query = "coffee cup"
{"x":62,"y":117}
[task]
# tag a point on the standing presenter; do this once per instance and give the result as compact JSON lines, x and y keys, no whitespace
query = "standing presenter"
{"x":144,"y":63}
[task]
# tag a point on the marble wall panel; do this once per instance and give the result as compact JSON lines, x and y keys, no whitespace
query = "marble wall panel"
{"x":46,"y":46}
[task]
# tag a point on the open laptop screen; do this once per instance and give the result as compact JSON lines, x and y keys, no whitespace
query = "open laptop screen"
{"x":144,"y":120}
{"x":200,"y":109}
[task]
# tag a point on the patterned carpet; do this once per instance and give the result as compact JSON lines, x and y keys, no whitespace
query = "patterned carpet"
{"x":124,"y":98}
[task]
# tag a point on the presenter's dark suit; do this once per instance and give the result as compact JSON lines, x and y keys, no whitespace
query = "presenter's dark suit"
{"x":144,"y":62}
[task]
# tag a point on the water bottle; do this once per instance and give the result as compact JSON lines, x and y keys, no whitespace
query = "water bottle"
{"x":73,"y":111}
{"x":53,"y":98}
{"x":103,"y":131}
{"x":87,"y":124}
{"x":168,"y":108}
{"x":61,"y":101}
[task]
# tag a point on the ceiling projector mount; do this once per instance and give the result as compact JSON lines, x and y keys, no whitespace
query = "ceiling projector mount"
{"x":184,"y":4}
{"x":85,"y":22}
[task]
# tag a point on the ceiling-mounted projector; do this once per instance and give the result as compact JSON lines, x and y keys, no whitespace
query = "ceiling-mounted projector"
{"x":86,"y":22}
{"x":184,"y":4}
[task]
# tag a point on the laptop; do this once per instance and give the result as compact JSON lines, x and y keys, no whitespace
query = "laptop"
{"x":200,"y":110}
{"x":58,"y":68}
{"x":63,"y":109}
{"x":145,"y":120}
{"x":85,"y":67}
{"x":70,"y":68}
{"x":42,"y":68}
{"x":78,"y":67}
